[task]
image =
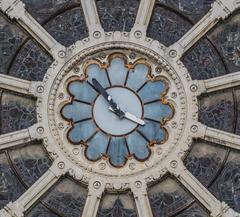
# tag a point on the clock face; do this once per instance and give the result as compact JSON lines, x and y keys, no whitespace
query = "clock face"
{"x":120,"y":86}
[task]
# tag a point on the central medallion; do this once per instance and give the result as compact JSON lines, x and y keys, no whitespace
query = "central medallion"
{"x":108,"y":121}
{"x":117,"y":109}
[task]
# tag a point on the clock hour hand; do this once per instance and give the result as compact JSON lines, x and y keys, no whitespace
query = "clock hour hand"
{"x":131,"y":117}
{"x":106,"y":96}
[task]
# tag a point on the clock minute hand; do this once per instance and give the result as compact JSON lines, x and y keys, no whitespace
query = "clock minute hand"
{"x":111,"y":102}
{"x":131,"y":117}
{"x":134,"y":118}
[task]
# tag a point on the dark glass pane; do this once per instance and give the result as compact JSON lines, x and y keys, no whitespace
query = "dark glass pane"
{"x":227,"y":185}
{"x":67,"y":198}
{"x":117,"y":151}
{"x":138,"y":146}
{"x":153,"y":131}
{"x":217,"y":111}
{"x":77,"y":111}
{"x":205,"y":160}
{"x":10,"y":187}
{"x":168,"y":198}
{"x":152,"y":91}
{"x":117,"y":71}
{"x":44,"y":9}
{"x":194,"y":211}
{"x":192,"y":9}
{"x":68,"y":27}
{"x":117,"y":15}
{"x":16,"y":113}
{"x":203,"y":61}
{"x":117,"y":205}
{"x":30,"y":161}
{"x":97,"y":146}
{"x":226,"y":38}
{"x":82,"y":131}
{"x":11,"y":37}
{"x":137,"y":76}
{"x":82,"y":91}
{"x":40,"y":211}
{"x":31,"y":62}
{"x":166,"y":26}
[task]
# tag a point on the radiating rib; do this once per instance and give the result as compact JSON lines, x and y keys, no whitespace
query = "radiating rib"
{"x":91,"y":17}
{"x":20,"y":86}
{"x":15,"y":9}
{"x":214,"y":206}
{"x":222,"y":138}
{"x":17,"y":138}
{"x":219,"y":83}
{"x":220,"y":10}
{"x":93,"y":200}
{"x":142,"y":201}
{"x":41,"y":186}
{"x":143,"y":16}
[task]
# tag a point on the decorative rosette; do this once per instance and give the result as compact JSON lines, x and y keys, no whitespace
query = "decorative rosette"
{"x":118,"y":72}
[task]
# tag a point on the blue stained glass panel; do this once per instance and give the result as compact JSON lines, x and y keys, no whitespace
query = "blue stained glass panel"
{"x":138,"y":146}
{"x":117,"y":71}
{"x":153,"y":131}
{"x":97,"y":146}
{"x":94,"y":71}
{"x":137,"y":76}
{"x":152,"y":91}
{"x":117,"y":151}
{"x":157,"y":111}
{"x":77,"y":111}
{"x":82,"y":91}
{"x":82,"y":131}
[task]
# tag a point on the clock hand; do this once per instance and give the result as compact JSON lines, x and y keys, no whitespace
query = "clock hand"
{"x":106,"y":96}
{"x":131,"y":117}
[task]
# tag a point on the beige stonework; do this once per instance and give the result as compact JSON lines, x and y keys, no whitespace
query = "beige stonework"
{"x":100,"y":177}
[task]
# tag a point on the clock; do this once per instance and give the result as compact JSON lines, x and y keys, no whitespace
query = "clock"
{"x":117,"y":110}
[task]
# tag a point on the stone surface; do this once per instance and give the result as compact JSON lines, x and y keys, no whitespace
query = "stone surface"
{"x":210,"y":173}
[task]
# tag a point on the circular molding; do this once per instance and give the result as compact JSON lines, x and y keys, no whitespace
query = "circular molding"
{"x":179,"y":128}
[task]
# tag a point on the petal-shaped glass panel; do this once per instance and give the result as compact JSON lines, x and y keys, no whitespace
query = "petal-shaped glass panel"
{"x":94,"y":71}
{"x":153,"y":131}
{"x":82,"y":91}
{"x":152,"y":91}
{"x":137,"y":76}
{"x":82,"y":131}
{"x":157,"y":111}
{"x":138,"y":146}
{"x":97,"y":146}
{"x":77,"y":111}
{"x":117,"y":71}
{"x":117,"y":151}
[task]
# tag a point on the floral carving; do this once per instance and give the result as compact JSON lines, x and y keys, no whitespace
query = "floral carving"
{"x":150,"y":90}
